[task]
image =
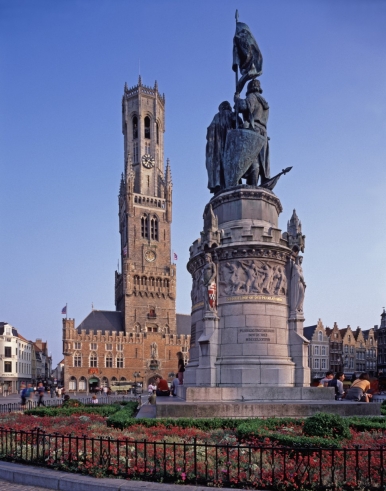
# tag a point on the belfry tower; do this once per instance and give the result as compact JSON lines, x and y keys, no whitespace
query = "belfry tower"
{"x":145,"y":290}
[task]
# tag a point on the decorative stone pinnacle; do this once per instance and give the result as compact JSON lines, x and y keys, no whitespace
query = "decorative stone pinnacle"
{"x":139,"y":80}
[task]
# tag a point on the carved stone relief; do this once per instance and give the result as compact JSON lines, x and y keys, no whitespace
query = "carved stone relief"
{"x":252,"y":276}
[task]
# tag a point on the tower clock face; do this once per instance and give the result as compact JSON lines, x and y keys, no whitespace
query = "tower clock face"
{"x":150,"y":256}
{"x":148,"y":161}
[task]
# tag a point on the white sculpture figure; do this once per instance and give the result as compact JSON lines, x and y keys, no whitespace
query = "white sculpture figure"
{"x":298,"y":285}
{"x":209,"y":286}
{"x":154,"y":351}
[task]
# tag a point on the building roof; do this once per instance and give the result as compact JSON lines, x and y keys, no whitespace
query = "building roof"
{"x":102,"y":320}
{"x":183,"y":323}
{"x":3,"y":324}
{"x":309,"y":331}
{"x":328,"y":331}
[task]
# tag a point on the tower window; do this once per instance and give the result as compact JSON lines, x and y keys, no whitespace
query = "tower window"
{"x":144,"y":227}
{"x":135,"y":153}
{"x":135,"y":128}
{"x":157,"y":133}
{"x":154,"y":228}
{"x":147,"y":127}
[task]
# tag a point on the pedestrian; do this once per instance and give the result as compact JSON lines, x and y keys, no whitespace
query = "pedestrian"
{"x":52,"y":391}
{"x":59,"y":392}
{"x":30,"y":394}
{"x":23,"y":397}
{"x":40,"y":395}
{"x":105,"y":390}
{"x":94,"y":399}
{"x":6,"y":387}
{"x":151,"y":387}
{"x":181,"y":370}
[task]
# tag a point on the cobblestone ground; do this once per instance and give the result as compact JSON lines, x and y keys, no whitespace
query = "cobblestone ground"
{"x":9,"y":486}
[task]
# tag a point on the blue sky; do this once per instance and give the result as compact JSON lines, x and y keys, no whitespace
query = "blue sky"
{"x":63,"y":68}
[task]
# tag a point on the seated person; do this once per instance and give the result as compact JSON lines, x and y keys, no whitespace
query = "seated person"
{"x":329,"y":376}
{"x":337,"y":382}
{"x":359,"y":388}
{"x":162,"y":387}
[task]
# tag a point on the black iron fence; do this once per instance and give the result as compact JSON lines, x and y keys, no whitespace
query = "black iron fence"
{"x":31,"y":404}
{"x":240,"y":466}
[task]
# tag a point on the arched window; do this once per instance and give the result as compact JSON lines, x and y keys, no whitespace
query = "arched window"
{"x":135,"y":127}
{"x":119,"y":361}
{"x":136,"y":280}
{"x":147,"y":127}
{"x":72,"y":384}
{"x":157,"y":132}
{"x":82,"y":383}
{"x":143,"y":280}
{"x":145,"y":227}
{"x":109,"y":360}
{"x":114,"y":379}
{"x":123,"y":379}
{"x":77,"y":359}
{"x":93,"y":360}
{"x":154,"y":228}
{"x":320,"y":336}
{"x":105,"y":382}
{"x":166,"y":283}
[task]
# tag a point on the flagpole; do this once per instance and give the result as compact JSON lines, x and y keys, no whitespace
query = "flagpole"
{"x":66,"y":310}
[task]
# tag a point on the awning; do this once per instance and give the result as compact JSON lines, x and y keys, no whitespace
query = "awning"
{"x":93,"y":379}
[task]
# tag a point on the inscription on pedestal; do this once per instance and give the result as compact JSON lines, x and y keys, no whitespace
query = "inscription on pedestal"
{"x":256,"y":334}
{"x":255,"y":298}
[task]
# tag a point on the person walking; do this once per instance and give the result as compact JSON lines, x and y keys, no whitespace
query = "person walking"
{"x":41,"y":394}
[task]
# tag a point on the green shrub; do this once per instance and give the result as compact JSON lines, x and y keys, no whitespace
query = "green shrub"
{"x":327,"y":426}
{"x":72,"y":403}
{"x":102,"y":410}
{"x":126,"y":413}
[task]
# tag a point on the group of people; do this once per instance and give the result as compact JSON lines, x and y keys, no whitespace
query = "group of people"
{"x":358,"y":390}
{"x":160,"y":387}
{"x":28,"y":393}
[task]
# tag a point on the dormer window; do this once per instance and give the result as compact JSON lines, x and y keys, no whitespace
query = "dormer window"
{"x":147,"y":127}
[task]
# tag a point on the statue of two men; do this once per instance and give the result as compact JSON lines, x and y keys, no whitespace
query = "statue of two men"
{"x":255,"y":111}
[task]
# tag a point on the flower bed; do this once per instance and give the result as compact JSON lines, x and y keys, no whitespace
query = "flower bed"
{"x":250,"y":454}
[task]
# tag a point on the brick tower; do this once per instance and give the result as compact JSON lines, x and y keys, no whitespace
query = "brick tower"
{"x":145,"y":290}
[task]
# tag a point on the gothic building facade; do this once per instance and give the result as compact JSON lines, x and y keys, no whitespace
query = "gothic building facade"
{"x":144,"y":336}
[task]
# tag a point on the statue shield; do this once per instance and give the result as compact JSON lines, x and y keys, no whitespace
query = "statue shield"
{"x":242,"y":147}
{"x":212,"y":295}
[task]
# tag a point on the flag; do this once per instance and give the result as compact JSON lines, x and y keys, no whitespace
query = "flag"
{"x":64,"y":310}
{"x":175,"y":257}
{"x":125,"y":250}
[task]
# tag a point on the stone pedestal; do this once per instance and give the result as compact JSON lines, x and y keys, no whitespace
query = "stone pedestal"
{"x":252,"y":340}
